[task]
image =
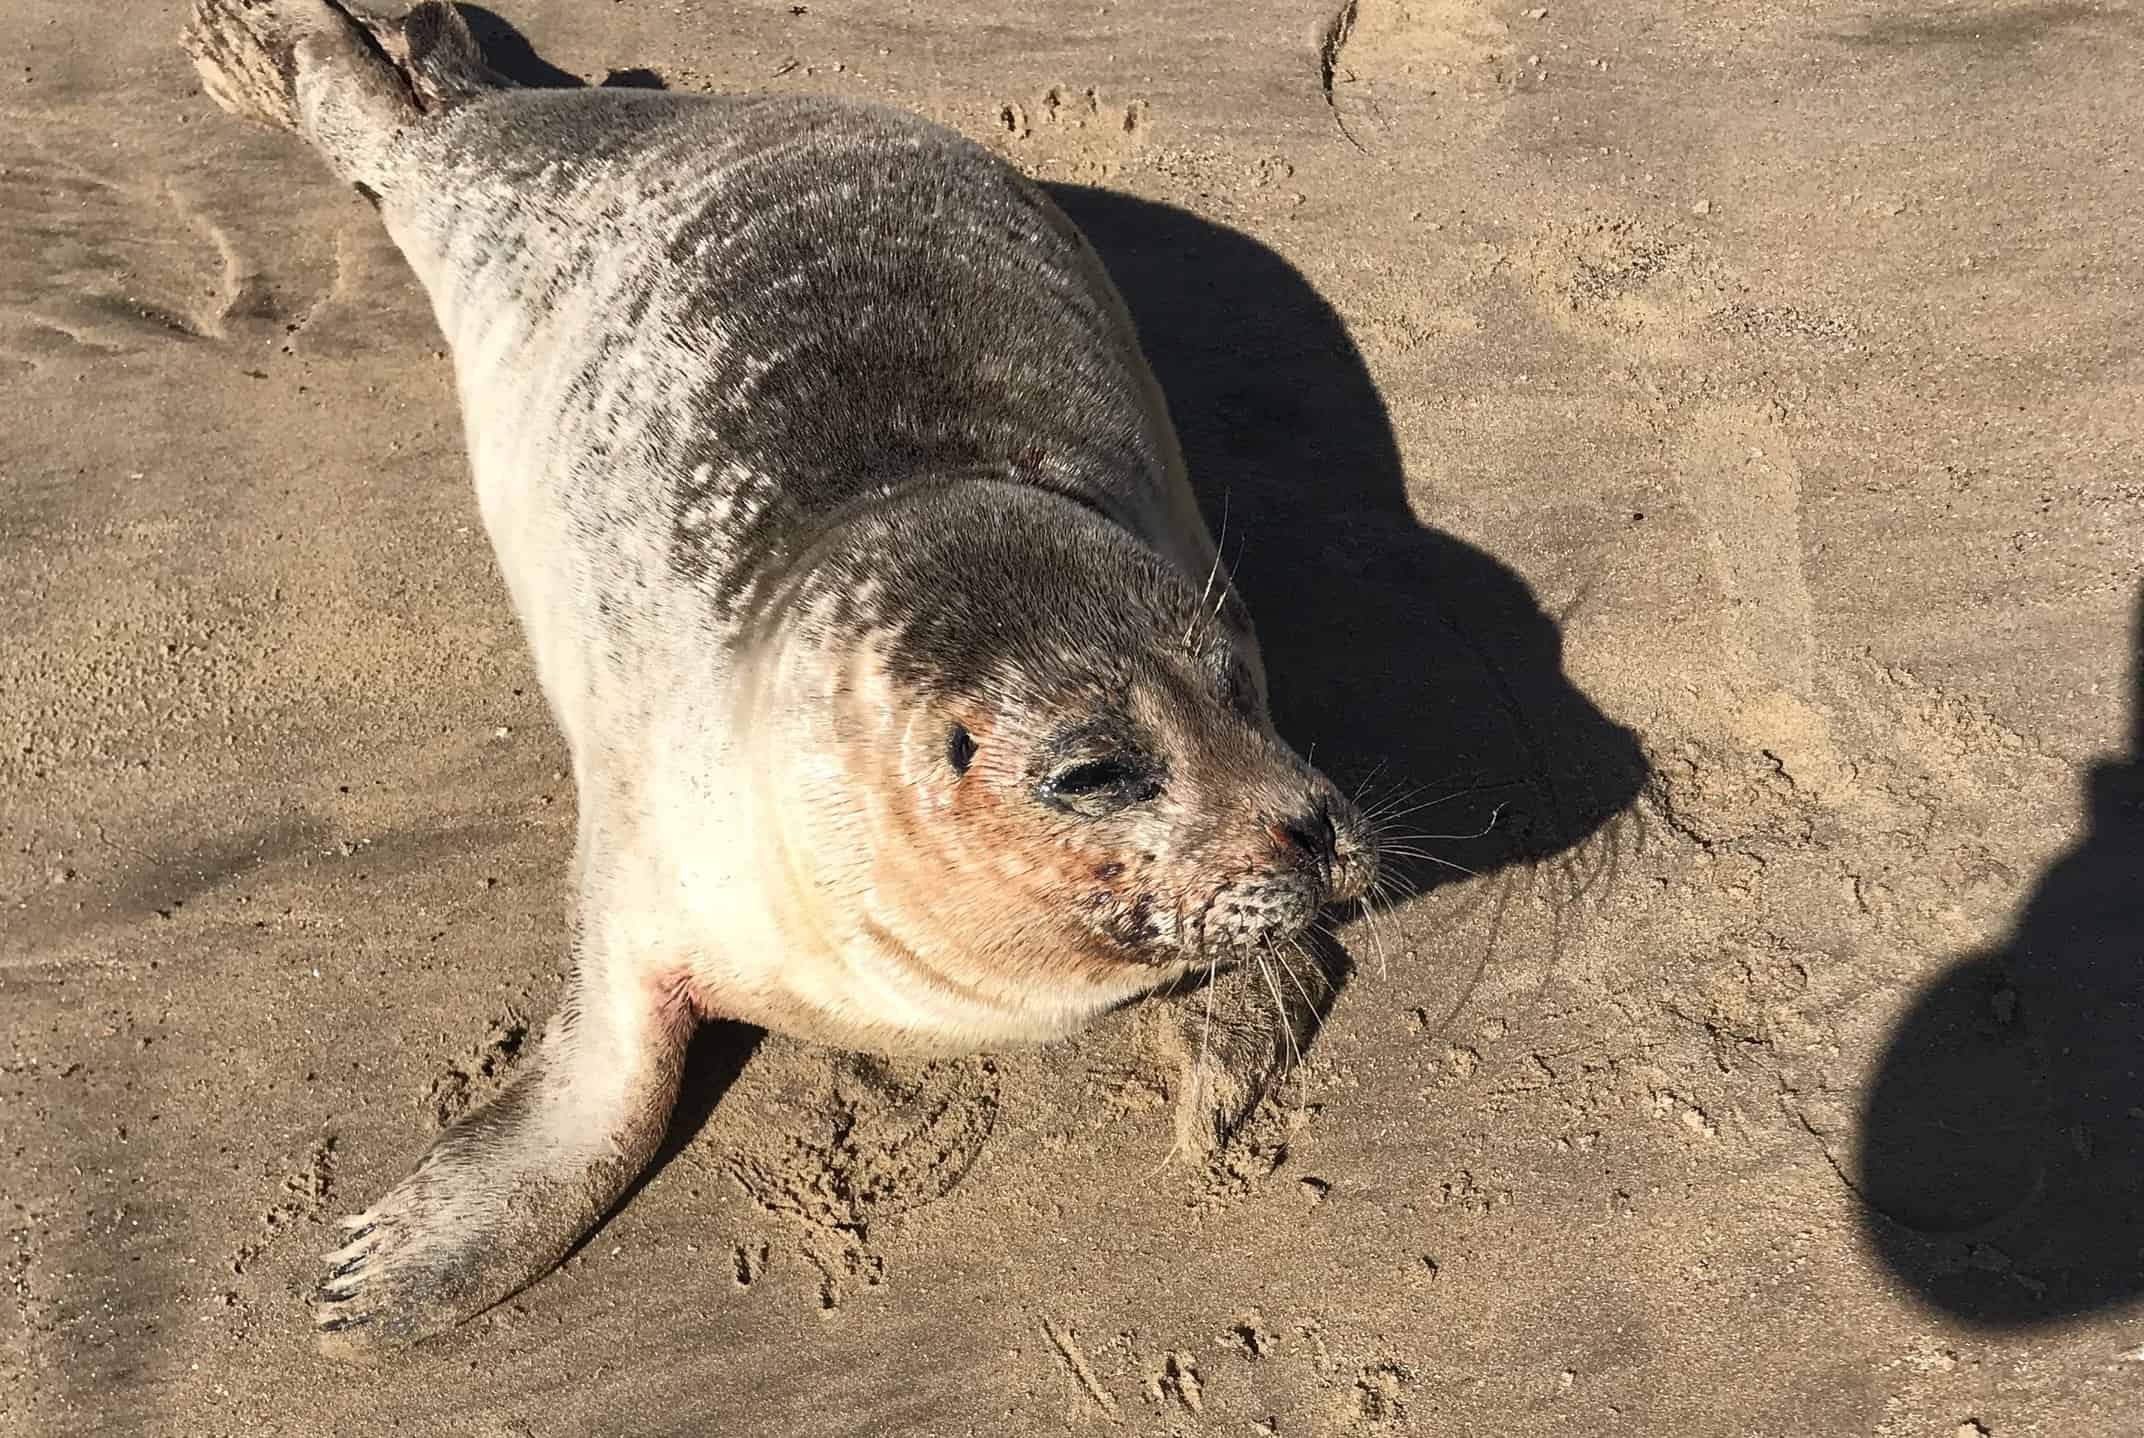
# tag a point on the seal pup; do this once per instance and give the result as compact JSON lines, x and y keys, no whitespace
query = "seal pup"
{"x":909,"y":706}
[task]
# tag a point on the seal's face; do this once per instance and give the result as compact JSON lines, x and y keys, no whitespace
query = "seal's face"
{"x":1058,"y":782}
{"x":1155,"y":804}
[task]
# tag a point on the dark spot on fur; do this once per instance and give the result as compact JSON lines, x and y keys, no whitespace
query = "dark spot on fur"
{"x":1135,"y":927}
{"x":1108,"y":871}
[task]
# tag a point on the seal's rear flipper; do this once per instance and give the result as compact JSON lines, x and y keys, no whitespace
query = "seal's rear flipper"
{"x":349,"y":83}
{"x":437,"y":56}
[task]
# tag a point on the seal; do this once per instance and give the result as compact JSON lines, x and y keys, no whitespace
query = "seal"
{"x":909,"y":706}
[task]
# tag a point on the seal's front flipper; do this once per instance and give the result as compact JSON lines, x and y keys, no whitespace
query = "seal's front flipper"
{"x":506,"y":1193}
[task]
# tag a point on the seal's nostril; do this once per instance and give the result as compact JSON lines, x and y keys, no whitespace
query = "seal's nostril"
{"x":1312,"y":834}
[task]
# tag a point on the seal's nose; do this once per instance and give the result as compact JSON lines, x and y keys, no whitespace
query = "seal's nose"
{"x":1311,"y":837}
{"x":1331,"y":840}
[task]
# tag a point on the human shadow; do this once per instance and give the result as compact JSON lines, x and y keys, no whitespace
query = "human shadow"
{"x":2001,"y":1157}
{"x":1402,"y":658}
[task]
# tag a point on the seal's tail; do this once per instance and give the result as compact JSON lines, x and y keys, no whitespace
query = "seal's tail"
{"x":350,"y":83}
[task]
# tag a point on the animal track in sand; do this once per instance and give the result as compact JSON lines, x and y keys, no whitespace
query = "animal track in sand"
{"x":114,"y":262}
{"x":1260,"y":1376}
{"x":883,"y":1140}
{"x":867,"y":1141}
{"x":1070,"y":130}
{"x":480,"y":1073}
{"x":303,"y":1197}
{"x":106,"y":264}
{"x":1385,"y":68}
{"x":118,"y":256}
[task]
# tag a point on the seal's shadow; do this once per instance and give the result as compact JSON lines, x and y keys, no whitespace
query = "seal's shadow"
{"x":1398,"y":655}
{"x":508,"y":51}
{"x":2001,"y":1149}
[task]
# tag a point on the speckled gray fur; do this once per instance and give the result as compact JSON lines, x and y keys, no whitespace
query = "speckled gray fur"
{"x":733,"y":322}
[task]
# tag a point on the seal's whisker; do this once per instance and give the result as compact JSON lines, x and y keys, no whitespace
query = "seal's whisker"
{"x":1382,"y":805}
{"x":1288,"y":969}
{"x":1391,"y":880}
{"x":1280,"y":1013}
{"x":1310,"y":1005}
{"x":1378,"y":923}
{"x":1402,"y":805}
{"x":1206,"y":615}
{"x":1394,"y":888}
{"x":1386,"y":841}
{"x":1206,"y":589}
{"x":1315,"y":1019}
{"x":1405,"y":843}
{"x":1377,"y":941}
{"x":1428,"y":858}
{"x":1408,"y":851}
{"x":1355,"y":794}
{"x":1402,"y":791}
{"x":1380,"y":814}
{"x":1375,"y":923}
{"x":1226,"y":589}
{"x":1394,"y":885}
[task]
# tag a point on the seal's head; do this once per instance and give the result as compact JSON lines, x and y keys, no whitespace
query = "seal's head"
{"x":1043,"y":771}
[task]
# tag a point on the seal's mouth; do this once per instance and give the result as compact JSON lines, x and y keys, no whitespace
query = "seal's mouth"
{"x":1258,"y":912}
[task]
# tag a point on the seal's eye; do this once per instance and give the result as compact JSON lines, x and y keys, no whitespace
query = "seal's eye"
{"x":1091,"y":778}
{"x":959,"y":748}
{"x":1095,"y":787}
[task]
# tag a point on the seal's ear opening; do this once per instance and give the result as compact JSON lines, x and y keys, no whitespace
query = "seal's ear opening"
{"x":959,"y":748}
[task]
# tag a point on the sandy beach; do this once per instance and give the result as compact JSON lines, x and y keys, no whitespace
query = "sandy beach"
{"x":1695,"y":451}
